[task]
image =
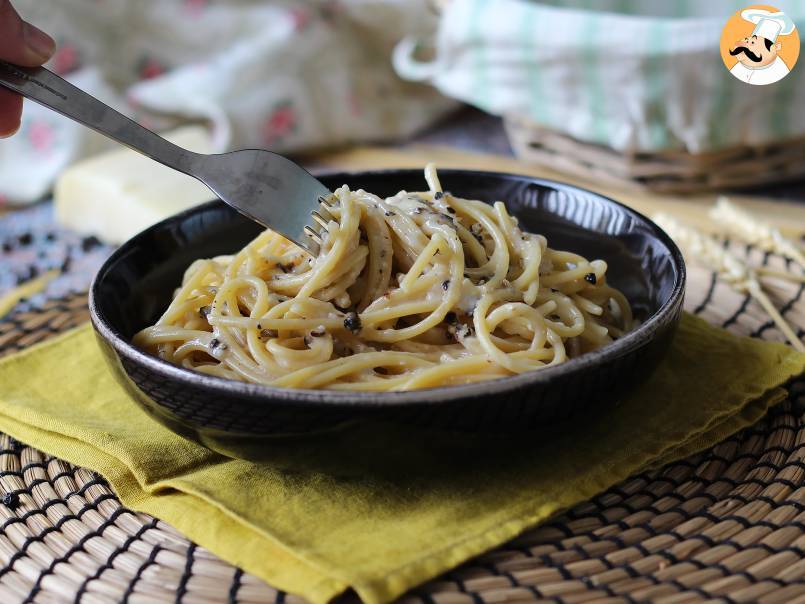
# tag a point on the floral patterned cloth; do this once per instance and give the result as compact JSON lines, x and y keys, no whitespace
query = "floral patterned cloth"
{"x":285,"y":75}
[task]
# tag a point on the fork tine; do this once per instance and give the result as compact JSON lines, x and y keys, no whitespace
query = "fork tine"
{"x":323,"y":222}
{"x":327,"y":200}
{"x":313,"y":234}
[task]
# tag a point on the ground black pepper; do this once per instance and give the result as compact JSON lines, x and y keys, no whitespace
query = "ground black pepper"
{"x":353,"y":322}
{"x":11,"y":500}
{"x":25,"y":239}
{"x":89,"y":243}
{"x":590,"y":278}
{"x":438,"y":195}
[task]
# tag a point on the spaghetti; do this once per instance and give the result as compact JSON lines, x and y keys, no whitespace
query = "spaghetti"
{"x":418,"y":290}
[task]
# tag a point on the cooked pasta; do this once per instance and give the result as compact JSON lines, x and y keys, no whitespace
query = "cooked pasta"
{"x":418,"y":290}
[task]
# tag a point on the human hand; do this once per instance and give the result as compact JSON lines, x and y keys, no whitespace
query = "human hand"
{"x":22,"y":44}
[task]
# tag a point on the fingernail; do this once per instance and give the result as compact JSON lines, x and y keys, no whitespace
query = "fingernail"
{"x":39,"y":43}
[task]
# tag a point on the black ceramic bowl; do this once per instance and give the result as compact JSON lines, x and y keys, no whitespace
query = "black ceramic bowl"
{"x":135,"y":285}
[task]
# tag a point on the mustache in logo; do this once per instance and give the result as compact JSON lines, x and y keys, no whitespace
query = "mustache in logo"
{"x":743,"y":49}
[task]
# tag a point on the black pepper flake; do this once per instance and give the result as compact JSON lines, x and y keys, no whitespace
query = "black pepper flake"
{"x":89,"y":243}
{"x":353,"y":322}
{"x":390,"y":213}
{"x":438,"y":195}
{"x":50,"y":236}
{"x":216,"y":343}
{"x":25,"y":239}
{"x":590,"y":278}
{"x":11,"y":500}
{"x":7,"y":247}
{"x":446,"y":285}
{"x":451,"y":210}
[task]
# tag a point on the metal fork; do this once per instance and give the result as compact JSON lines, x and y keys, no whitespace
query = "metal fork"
{"x":266,"y":187}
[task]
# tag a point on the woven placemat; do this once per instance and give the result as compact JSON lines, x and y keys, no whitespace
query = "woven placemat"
{"x":727,"y":524}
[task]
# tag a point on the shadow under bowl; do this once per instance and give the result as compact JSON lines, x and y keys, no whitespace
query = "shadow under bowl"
{"x":136,"y":283}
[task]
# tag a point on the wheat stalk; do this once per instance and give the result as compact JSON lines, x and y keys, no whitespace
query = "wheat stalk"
{"x":731,"y":268}
{"x":749,"y":228}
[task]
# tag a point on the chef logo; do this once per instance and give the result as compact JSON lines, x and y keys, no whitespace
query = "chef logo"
{"x":760,"y":45}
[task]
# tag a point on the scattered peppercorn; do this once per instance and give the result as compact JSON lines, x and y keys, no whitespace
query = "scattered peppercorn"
{"x":353,"y":322}
{"x":216,"y":343}
{"x":89,"y":243}
{"x":11,"y":500}
{"x":7,"y":247}
{"x":390,"y":213}
{"x":438,"y":195}
{"x":50,"y":236}
{"x":446,"y":285}
{"x":25,"y":239}
{"x":590,"y":278}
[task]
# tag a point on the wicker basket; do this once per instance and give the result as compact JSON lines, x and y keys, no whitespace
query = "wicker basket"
{"x":665,"y":172}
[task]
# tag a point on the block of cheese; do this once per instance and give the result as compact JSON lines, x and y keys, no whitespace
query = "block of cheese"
{"x":119,"y":193}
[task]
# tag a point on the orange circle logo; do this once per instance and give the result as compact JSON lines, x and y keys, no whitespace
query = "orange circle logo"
{"x":760,"y":45}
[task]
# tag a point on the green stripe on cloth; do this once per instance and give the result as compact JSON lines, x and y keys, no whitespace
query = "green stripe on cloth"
{"x":480,"y":77}
{"x":591,"y":69}
{"x":782,"y":106}
{"x":654,"y":76}
{"x":538,"y":106}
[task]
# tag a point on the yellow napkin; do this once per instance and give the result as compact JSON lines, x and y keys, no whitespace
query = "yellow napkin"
{"x":381,"y":508}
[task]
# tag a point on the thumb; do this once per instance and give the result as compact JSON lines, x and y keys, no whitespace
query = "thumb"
{"x":20,"y":42}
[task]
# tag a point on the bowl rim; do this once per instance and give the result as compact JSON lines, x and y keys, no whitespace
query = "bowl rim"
{"x":352,"y":398}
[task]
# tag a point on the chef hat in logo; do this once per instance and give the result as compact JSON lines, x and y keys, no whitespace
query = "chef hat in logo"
{"x":768,"y":25}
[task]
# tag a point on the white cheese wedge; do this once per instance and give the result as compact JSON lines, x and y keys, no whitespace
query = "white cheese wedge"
{"x":119,"y":193}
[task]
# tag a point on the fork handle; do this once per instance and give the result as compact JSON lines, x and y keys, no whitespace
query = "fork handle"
{"x":48,"y":89}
